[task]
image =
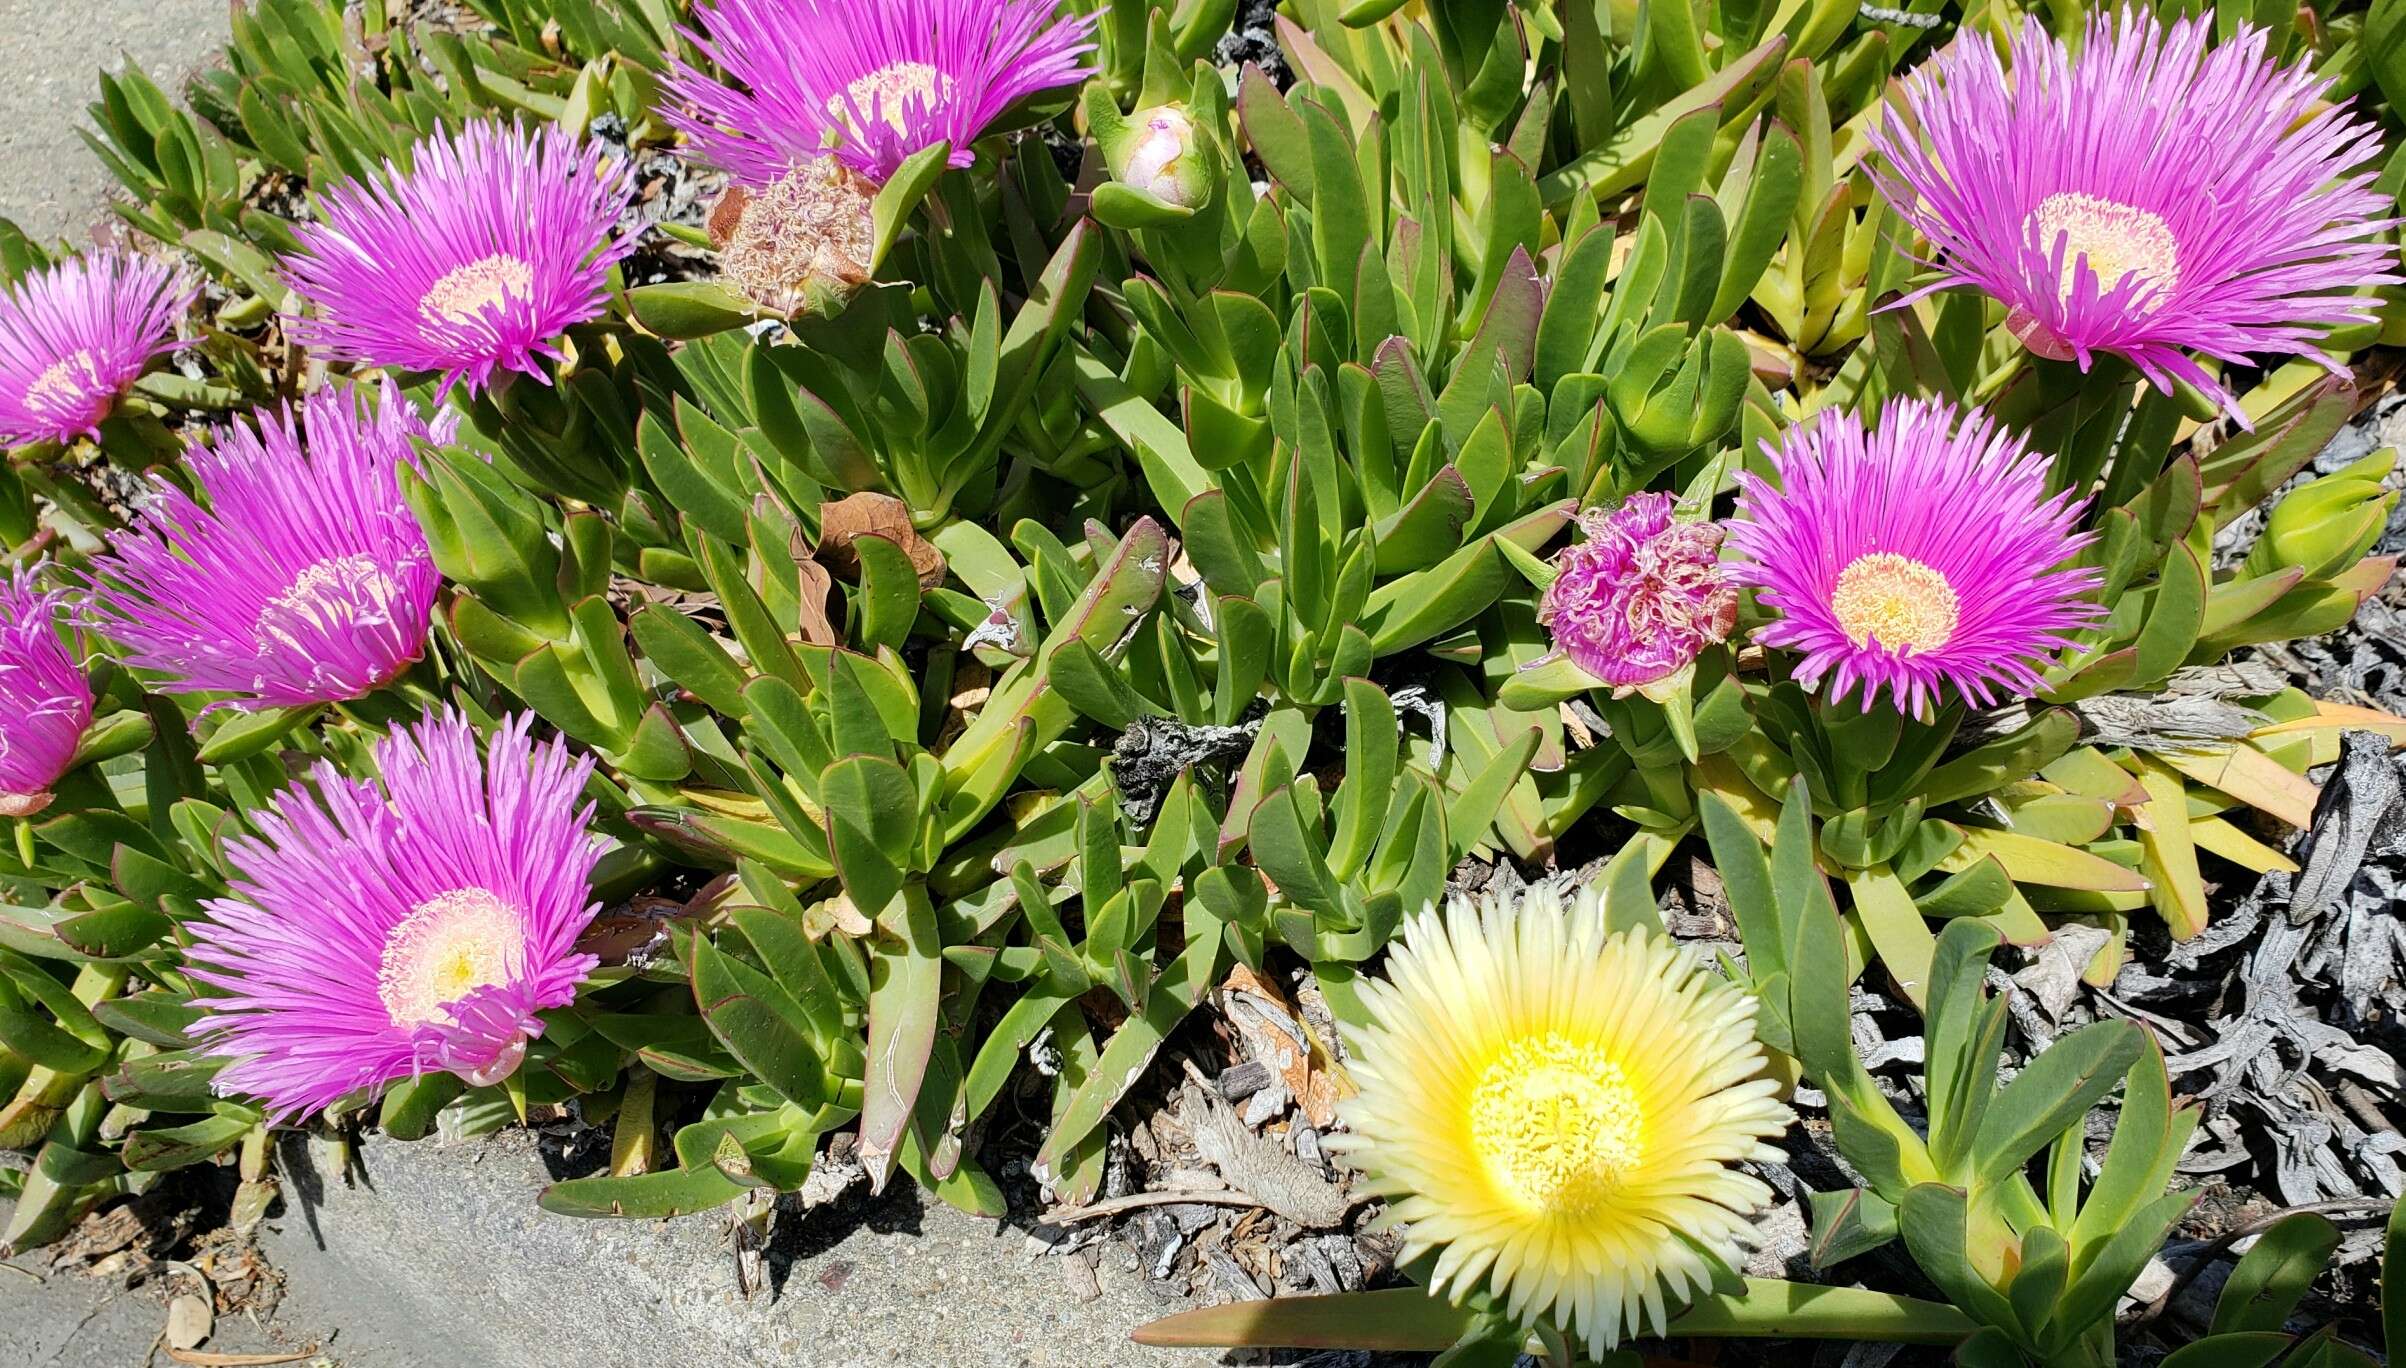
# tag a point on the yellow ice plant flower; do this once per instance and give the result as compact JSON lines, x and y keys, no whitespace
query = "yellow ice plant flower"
{"x":1555,"y":1111}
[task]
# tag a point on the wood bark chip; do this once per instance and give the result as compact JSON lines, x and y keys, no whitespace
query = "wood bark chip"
{"x":2362,"y":813}
{"x":1257,"y":1166}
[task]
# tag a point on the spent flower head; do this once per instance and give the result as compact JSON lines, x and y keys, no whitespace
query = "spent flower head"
{"x":76,"y":335}
{"x":2152,"y":197}
{"x":379,"y":931}
{"x":1641,"y":595}
{"x":494,"y":242}
{"x":872,"y":83}
{"x":1556,"y":1112}
{"x":1923,"y":555}
{"x":803,"y":243}
{"x":45,"y":702}
{"x":304,"y":578}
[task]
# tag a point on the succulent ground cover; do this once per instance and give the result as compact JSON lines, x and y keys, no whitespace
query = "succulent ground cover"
{"x":1546,"y":675}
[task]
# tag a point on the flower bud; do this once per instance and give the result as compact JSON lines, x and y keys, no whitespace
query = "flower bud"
{"x":1163,"y":162}
{"x":2329,"y":524}
{"x":804,"y":244}
{"x":1160,"y":153}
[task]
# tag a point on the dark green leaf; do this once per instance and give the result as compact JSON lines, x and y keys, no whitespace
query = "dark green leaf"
{"x":2273,"y":1276}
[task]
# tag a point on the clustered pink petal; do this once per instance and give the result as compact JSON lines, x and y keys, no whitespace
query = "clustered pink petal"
{"x":874,"y":83}
{"x":45,"y":702}
{"x":1936,"y":530}
{"x":492,"y":244}
{"x":304,"y":579}
{"x":2232,"y":216}
{"x":75,"y":336}
{"x":1643,"y":593}
{"x":375,"y":934}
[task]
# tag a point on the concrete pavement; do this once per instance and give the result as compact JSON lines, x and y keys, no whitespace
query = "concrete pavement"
{"x":50,"y":183}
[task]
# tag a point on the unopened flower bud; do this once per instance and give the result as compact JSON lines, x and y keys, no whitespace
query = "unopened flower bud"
{"x":2329,"y":524}
{"x":1163,"y":163}
{"x":1160,"y":152}
{"x":804,"y":244}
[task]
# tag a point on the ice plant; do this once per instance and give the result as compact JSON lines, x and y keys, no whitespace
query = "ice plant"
{"x":472,"y":261}
{"x":1555,"y":1111}
{"x":1922,"y":555}
{"x":2150,"y":198}
{"x":303,"y":579}
{"x":1635,"y":600}
{"x":75,"y":336}
{"x":45,"y":702}
{"x":377,"y":932}
{"x":871,"y":83}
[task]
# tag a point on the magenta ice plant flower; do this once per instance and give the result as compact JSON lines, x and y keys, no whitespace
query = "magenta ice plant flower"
{"x":45,"y":702}
{"x":472,"y":261}
{"x":304,"y":578}
{"x":379,"y":931}
{"x":1641,"y":595}
{"x":873,"y":83}
{"x":1925,"y":555}
{"x":2153,"y":197}
{"x":76,"y":335}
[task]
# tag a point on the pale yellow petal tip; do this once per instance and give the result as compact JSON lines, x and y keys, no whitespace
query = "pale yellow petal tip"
{"x":1555,"y":1110}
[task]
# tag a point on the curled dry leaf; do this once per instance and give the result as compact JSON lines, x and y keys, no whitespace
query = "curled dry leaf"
{"x":619,"y":936}
{"x":811,"y":589}
{"x":835,"y":914}
{"x":868,"y":514}
{"x":972,"y":685}
{"x":189,"y":1320}
{"x":642,"y":925}
{"x":727,"y":215}
{"x":1277,"y":1035}
{"x":817,"y":628}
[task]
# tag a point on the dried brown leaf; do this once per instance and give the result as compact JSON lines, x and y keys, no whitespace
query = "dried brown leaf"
{"x":1276,"y":1034}
{"x":836,"y":914}
{"x":727,"y":214}
{"x":817,"y":628}
{"x":189,"y":1321}
{"x":871,"y":514}
{"x":616,"y":936}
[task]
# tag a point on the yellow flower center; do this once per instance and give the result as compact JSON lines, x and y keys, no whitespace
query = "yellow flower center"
{"x":889,"y":92}
{"x":1558,"y":1124}
{"x":1895,"y":600}
{"x":63,"y":382}
{"x":2119,"y":241}
{"x":446,"y":948}
{"x":463,"y":295}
